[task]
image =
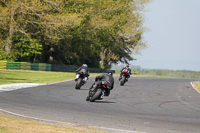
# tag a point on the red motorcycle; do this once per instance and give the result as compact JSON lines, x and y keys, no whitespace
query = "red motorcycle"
{"x":125,"y":75}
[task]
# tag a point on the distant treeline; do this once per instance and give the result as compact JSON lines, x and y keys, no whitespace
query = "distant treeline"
{"x":166,"y":73}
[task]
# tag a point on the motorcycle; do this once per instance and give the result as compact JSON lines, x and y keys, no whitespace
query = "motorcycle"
{"x":97,"y":91}
{"x":124,"y":79}
{"x":81,"y":80}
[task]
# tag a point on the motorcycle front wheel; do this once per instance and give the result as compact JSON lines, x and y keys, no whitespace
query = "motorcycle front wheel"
{"x":78,"y":84}
{"x":122,"y":81}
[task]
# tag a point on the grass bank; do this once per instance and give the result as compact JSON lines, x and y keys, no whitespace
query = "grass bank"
{"x":43,"y":77}
{"x":197,"y":85}
{"x":10,"y":124}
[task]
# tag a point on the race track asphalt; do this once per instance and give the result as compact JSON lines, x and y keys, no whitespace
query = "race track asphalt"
{"x":143,"y":104}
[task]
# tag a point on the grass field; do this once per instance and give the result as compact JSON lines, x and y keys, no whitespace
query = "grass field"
{"x":10,"y":124}
{"x":43,"y":77}
{"x":8,"y":76}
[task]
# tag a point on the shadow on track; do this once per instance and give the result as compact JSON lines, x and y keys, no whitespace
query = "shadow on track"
{"x":81,"y":89}
{"x":103,"y":102}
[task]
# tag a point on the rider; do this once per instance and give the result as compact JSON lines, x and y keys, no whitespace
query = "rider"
{"x":84,"y":69}
{"x":108,"y":77}
{"x":129,"y":70}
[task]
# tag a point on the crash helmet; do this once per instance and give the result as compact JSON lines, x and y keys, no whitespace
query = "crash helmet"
{"x":110,"y":73}
{"x":127,"y":65}
{"x":85,"y":65}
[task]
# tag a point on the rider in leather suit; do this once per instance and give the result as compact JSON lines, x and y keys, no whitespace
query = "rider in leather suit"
{"x":125,"y":67}
{"x":105,"y":77}
{"x":84,"y":69}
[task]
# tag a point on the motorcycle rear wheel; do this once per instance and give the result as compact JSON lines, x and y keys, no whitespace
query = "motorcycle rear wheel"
{"x":96,"y":96}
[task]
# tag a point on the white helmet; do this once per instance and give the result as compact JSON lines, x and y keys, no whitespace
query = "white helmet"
{"x":110,"y":73}
{"x":85,"y":65}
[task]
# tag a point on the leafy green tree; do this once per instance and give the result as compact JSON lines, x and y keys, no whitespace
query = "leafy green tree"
{"x":98,"y":33}
{"x":26,"y":48}
{"x":109,"y":31}
{"x":117,"y":26}
{"x":42,"y":20}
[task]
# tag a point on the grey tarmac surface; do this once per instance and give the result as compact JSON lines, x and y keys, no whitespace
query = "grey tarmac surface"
{"x":143,"y":104}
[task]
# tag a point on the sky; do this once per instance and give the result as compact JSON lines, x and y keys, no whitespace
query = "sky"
{"x":173,"y":38}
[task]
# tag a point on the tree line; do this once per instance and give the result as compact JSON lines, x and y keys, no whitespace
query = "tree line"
{"x":96,"y":32}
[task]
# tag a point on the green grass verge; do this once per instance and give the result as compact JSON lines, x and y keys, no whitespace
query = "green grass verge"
{"x":10,"y":124}
{"x":197,"y":85}
{"x":43,"y":77}
{"x":19,"y":76}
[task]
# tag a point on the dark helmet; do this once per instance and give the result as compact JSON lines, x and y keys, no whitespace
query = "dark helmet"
{"x":127,"y":65}
{"x":110,"y":73}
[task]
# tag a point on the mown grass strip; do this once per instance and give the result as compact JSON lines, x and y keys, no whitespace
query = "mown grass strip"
{"x":197,"y":85}
{"x":43,"y":77}
{"x":9,"y":124}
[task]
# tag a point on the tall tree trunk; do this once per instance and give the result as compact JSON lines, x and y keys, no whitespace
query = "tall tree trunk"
{"x":11,"y":30}
{"x":102,"y":56}
{"x":105,"y":56}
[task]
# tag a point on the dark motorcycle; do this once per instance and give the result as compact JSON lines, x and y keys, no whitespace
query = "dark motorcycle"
{"x":81,"y":80}
{"x":125,"y":75}
{"x":97,"y":91}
